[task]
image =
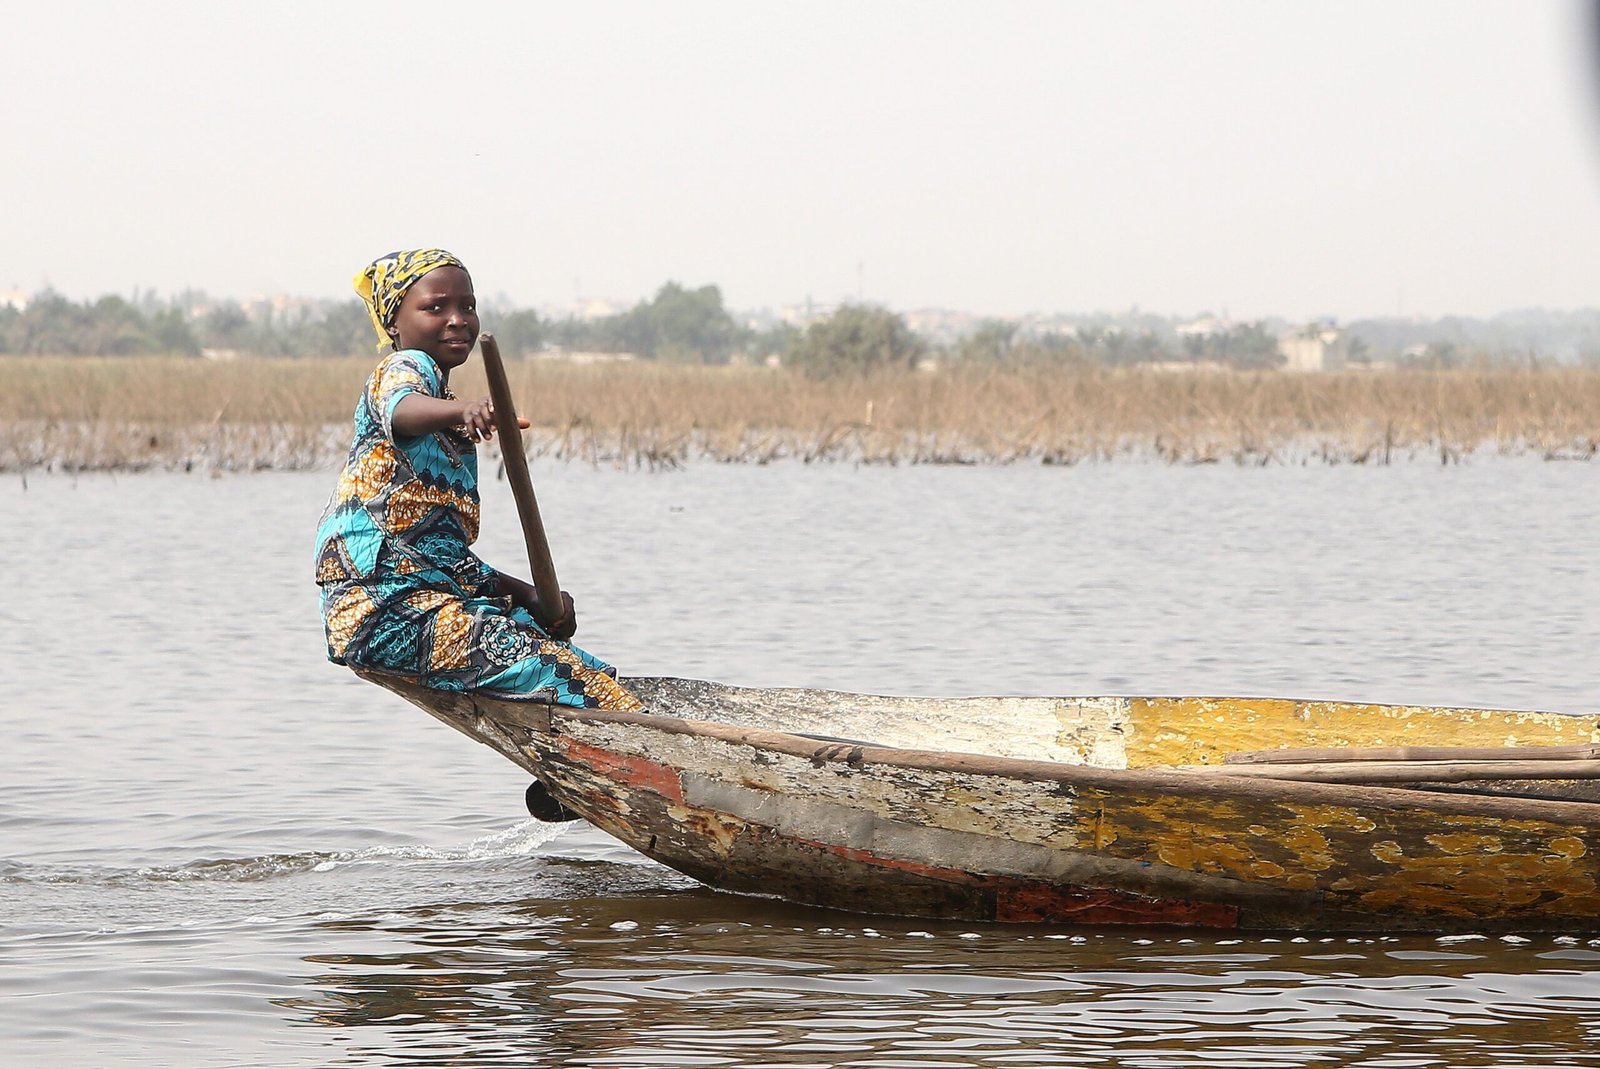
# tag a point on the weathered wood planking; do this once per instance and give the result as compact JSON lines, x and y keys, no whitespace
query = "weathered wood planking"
{"x":705,"y":784}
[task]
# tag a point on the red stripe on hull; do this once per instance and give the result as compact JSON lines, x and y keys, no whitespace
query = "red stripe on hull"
{"x":625,"y":769}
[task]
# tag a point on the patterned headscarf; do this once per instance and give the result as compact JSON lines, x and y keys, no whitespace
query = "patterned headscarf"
{"x":382,"y":284}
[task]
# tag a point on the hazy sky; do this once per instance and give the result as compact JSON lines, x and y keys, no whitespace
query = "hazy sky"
{"x":1272,"y":157}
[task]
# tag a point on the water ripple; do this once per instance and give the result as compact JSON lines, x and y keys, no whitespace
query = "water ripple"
{"x":519,"y":841}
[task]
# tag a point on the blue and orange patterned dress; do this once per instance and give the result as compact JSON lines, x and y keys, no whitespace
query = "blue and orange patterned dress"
{"x":402,"y":591}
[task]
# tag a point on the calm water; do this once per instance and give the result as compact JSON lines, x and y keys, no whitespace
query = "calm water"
{"x":218,"y":849}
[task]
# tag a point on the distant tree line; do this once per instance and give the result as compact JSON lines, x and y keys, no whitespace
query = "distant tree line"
{"x":680,"y":324}
{"x":52,"y":325}
{"x":1002,"y":342}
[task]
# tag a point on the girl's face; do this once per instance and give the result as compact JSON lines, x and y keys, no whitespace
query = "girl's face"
{"x":438,"y":315}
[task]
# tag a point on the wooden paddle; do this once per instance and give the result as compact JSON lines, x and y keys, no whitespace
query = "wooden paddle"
{"x":1402,"y":772}
{"x":1580,"y":751}
{"x":1569,"y":773}
{"x":516,"y":461}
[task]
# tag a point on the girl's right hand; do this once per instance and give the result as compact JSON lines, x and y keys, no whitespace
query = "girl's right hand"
{"x":563,"y":629}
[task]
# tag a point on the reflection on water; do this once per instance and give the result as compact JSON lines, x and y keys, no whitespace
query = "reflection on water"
{"x":217,"y":849}
{"x":697,"y":979}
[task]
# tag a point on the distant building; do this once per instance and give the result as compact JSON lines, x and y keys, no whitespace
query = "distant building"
{"x":941,"y":325}
{"x":14,"y":299}
{"x":1048,"y":326}
{"x":1204,"y":327}
{"x":1315,"y":347}
{"x":589,"y":309}
{"x":803,"y":315}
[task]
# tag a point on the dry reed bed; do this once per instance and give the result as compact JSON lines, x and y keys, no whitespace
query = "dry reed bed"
{"x":80,"y":414}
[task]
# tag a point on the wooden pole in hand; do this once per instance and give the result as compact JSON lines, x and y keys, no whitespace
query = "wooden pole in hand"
{"x":505,"y":424}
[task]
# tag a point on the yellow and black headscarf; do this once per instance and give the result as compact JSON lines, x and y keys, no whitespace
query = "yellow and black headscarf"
{"x":382,"y":284}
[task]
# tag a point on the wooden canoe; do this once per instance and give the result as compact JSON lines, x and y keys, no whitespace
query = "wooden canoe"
{"x":1075,"y":810}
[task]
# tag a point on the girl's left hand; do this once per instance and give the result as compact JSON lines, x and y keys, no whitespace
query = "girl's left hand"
{"x":478,"y":419}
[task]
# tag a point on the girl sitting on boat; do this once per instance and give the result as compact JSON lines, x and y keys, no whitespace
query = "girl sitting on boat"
{"x":401,"y":591}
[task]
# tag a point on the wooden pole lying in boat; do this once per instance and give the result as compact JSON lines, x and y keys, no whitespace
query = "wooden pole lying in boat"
{"x":1413,"y":753}
{"x":516,"y":461}
{"x":1404,"y":772}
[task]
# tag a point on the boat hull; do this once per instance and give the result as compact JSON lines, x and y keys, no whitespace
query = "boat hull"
{"x":940,"y":834}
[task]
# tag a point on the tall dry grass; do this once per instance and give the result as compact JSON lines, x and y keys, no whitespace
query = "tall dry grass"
{"x":82,"y":414}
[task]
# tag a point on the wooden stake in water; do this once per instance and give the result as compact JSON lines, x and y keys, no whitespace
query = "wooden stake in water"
{"x":516,"y":460}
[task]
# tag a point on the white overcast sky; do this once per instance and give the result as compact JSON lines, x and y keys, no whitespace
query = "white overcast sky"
{"x":1263,"y":158}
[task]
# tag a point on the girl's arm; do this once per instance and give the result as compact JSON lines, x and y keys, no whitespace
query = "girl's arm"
{"x":417,"y":414}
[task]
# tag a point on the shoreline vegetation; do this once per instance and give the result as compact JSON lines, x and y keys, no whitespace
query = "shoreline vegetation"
{"x":173,"y":414}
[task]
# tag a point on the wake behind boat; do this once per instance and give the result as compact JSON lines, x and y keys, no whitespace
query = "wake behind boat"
{"x":1208,"y":812}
